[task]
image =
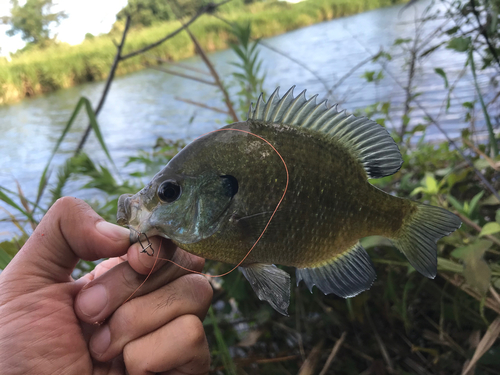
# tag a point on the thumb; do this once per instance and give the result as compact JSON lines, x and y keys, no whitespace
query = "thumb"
{"x":69,"y":231}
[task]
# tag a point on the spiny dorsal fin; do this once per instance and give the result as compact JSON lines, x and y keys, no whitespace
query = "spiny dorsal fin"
{"x":370,"y":142}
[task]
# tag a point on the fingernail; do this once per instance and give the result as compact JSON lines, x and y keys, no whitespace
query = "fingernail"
{"x":100,"y":341}
{"x":112,"y":231}
{"x":93,"y":300}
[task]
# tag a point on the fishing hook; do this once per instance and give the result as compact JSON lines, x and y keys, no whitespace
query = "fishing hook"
{"x":149,"y":245}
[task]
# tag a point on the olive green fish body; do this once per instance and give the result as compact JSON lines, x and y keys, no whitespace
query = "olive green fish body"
{"x":315,"y":220}
{"x":216,"y":198}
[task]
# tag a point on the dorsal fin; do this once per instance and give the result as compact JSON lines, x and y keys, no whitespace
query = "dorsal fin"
{"x":367,"y":140}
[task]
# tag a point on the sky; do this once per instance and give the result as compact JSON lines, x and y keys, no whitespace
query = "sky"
{"x":89,"y":16}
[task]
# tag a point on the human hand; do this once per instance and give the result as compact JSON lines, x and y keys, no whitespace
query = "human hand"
{"x":47,"y":320}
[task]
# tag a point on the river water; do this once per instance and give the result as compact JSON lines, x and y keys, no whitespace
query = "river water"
{"x":142,"y":106}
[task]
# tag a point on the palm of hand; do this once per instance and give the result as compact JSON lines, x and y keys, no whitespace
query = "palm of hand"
{"x":45,"y":326}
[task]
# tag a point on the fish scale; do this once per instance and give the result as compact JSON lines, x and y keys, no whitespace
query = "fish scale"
{"x":216,"y":196}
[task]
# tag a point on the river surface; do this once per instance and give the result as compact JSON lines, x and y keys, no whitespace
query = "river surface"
{"x":142,"y":106}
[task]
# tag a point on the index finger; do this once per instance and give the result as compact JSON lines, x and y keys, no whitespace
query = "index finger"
{"x":69,"y":231}
{"x":122,"y":282}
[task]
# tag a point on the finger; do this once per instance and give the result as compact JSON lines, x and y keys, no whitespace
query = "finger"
{"x":188,"y":295}
{"x":114,"y":287}
{"x":180,"y":345}
{"x":143,"y":260}
{"x":70,"y":230}
{"x":105,"y":266}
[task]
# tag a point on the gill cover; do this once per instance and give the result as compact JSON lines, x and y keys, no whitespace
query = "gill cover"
{"x":199,"y":210}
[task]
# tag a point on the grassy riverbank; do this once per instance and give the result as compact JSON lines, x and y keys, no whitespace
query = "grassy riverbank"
{"x":36,"y":72}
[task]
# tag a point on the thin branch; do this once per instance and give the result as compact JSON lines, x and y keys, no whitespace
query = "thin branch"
{"x":181,"y":74}
{"x":488,"y":302}
{"x":202,"y":105}
{"x":434,"y":122}
{"x":180,"y":65}
{"x":119,"y":57}
{"x":483,"y":32}
{"x":493,"y":164}
{"x":216,"y":77}
{"x":408,"y":88}
{"x":475,"y":226}
{"x":332,"y":355}
{"x":106,"y":86}
{"x":172,"y":34}
{"x":380,"y":342}
{"x":274,"y":49}
{"x":350,"y":72}
{"x":299,"y":63}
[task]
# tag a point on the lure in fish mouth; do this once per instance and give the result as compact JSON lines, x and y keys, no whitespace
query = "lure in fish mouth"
{"x":215,"y":198}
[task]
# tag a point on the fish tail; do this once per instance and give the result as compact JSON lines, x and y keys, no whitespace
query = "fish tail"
{"x":418,"y":235}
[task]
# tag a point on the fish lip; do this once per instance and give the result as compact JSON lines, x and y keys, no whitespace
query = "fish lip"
{"x":134,"y":235}
{"x":123,"y":209}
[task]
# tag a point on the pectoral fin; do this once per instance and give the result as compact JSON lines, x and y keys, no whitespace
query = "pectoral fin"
{"x":270,"y":283}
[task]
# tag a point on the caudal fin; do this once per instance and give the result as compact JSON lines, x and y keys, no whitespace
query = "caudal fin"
{"x":418,"y":236}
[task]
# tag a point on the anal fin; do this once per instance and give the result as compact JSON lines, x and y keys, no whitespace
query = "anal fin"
{"x":346,"y":275}
{"x":270,"y":283}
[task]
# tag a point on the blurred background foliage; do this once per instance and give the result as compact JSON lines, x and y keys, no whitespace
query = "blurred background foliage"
{"x":405,"y":324}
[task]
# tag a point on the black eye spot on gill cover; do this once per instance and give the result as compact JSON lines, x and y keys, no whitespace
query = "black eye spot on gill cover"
{"x":169,"y":191}
{"x":230,"y":184}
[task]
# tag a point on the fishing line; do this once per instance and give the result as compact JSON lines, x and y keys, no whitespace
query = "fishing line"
{"x":149,"y":244}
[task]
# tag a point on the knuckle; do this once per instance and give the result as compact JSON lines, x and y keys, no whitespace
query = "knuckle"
{"x":130,"y":278}
{"x":193,"y":329}
{"x":200,"y":289}
{"x":69,"y":203}
{"x":189,"y":261}
{"x":129,"y":358}
{"x":197,"y":263}
{"x":124,"y":319}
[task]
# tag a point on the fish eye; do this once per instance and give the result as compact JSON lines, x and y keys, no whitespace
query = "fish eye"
{"x":169,"y":191}
{"x":230,"y":185}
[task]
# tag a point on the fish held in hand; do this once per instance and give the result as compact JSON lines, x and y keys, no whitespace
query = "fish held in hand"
{"x":216,"y":196}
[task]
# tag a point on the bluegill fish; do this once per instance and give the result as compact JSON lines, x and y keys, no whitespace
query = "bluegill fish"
{"x":215,"y":197}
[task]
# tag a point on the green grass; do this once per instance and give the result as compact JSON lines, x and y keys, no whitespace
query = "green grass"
{"x":40,"y":71}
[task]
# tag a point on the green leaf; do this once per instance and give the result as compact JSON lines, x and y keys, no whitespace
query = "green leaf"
{"x":418,"y":128}
{"x":474,"y":201}
{"x":96,"y":129}
{"x":448,"y":265}
{"x":4,"y":259}
{"x":399,"y":41}
{"x":491,"y":201}
{"x":490,"y":228}
{"x":44,"y":177}
{"x":4,"y":197}
{"x":459,"y":44}
{"x":417,"y":190}
{"x":369,"y":75}
{"x":469,"y":105}
{"x":477,"y":273}
{"x":452,"y":30}
{"x":442,"y":74}
{"x":431,"y":183}
{"x":432,"y":49}
{"x":477,"y":247}
{"x":497,"y":216}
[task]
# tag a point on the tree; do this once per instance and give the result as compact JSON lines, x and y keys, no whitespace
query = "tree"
{"x":146,"y":12}
{"x":32,"y":20}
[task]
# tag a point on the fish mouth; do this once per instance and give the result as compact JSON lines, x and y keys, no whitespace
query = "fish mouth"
{"x":133,"y":214}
